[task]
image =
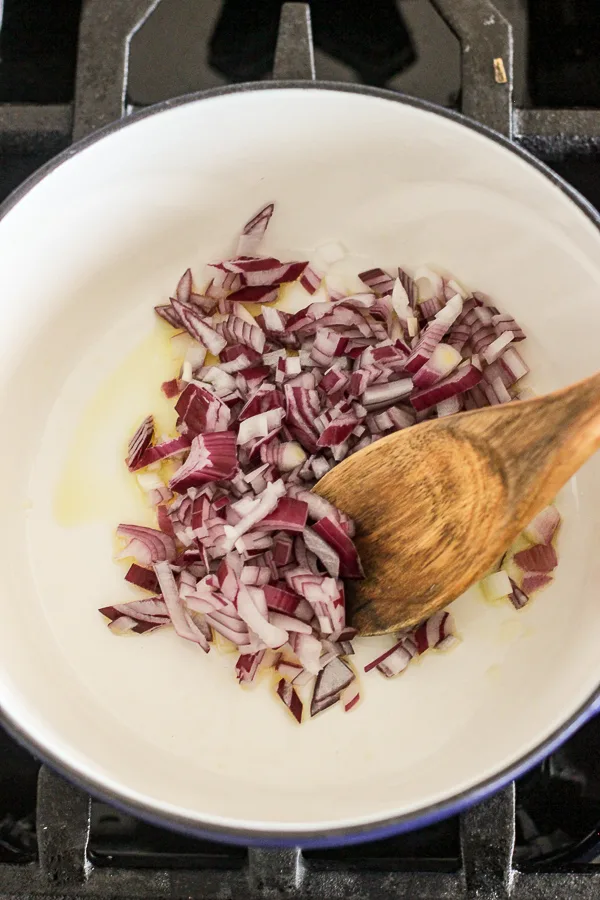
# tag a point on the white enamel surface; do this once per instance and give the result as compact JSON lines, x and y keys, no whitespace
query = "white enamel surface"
{"x":84,"y":256}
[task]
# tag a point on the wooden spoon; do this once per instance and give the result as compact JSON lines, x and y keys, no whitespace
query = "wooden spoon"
{"x":437,"y":504}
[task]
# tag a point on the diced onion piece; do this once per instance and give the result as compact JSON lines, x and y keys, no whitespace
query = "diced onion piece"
{"x":517,"y":596}
{"x":496,"y":348}
{"x":436,"y":633}
{"x":539,"y":558}
{"x":429,"y":284}
{"x":451,"y":311}
{"x":380,"y":394}
{"x":542,"y":529}
{"x":254,"y":230}
{"x":287,"y":694}
{"x":465,"y":378}
{"x":350,"y":696}
{"x":442,"y":361}
{"x":495,"y":586}
{"x":140,"y":442}
{"x":308,"y":650}
{"x":535,"y":582}
{"x":331,"y":681}
{"x":290,"y":395}
{"x":397,"y":659}
{"x":449,"y":407}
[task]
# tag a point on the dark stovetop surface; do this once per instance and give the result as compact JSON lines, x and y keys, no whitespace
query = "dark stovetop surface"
{"x":188,"y":45}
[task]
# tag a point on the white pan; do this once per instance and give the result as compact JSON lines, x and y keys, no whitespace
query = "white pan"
{"x":87,"y":247}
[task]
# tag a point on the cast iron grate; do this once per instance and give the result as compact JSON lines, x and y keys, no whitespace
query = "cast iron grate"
{"x":484,"y":870}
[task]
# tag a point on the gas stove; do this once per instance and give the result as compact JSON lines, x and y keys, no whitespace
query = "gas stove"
{"x":67,"y":68}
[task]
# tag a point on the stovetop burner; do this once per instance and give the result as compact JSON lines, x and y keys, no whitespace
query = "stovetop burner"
{"x":538,"y":838}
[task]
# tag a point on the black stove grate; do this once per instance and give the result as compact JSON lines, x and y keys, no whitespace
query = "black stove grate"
{"x":483,"y":871}
{"x":529,"y":842}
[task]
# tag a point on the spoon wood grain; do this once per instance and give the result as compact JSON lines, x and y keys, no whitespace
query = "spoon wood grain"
{"x":437,"y":504}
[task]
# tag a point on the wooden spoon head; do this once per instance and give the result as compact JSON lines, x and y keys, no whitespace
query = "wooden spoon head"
{"x":436,"y":505}
{"x":425,"y":501}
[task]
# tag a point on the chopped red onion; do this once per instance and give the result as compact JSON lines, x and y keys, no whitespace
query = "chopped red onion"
{"x":199,"y":410}
{"x":256,"y":575}
{"x":449,"y":407}
{"x":535,"y":582}
{"x":288,"y":515}
{"x":542,"y":529}
{"x":503,"y":323}
{"x":184,"y":287}
{"x":378,"y":280}
{"x":308,"y":650}
{"x":430,"y":308}
{"x":334,"y":535}
{"x":125,"y":624}
{"x":182,"y":621}
{"x":288,"y":670}
{"x":249,"y":611}
{"x":337,"y":648}
{"x":165,"y":450}
{"x":152,"y":610}
{"x":147,"y":544}
{"x":291,"y":395}
{"x":539,"y":558}
{"x":441,"y":362}
{"x":195,"y":325}
{"x":140,"y":442}
{"x":212,"y":457}
{"x":142,"y":577}
{"x":502,"y":395}
{"x":495,"y":586}
{"x":465,"y":378}
{"x":350,"y":696}
{"x":435,"y":633}
{"x":169,"y":315}
{"x":338,"y":431}
{"x":289,"y":623}
{"x":287,"y":693}
{"x":517,"y":596}
{"x":281,"y":600}
{"x":410,"y":288}
{"x":260,"y":425}
{"x":202,"y":303}
{"x":254,"y":230}
{"x":236,"y":330}
{"x":331,"y":681}
{"x":513,"y":366}
{"x":323,"y":550}
{"x":379,"y":660}
{"x":172,"y":388}
{"x":247,"y":666}
{"x":380,"y":395}
{"x":497,"y":347}
{"x":255,"y":293}
{"x":431,"y":337}
{"x":282,"y":548}
{"x":396,"y":661}
{"x":311,"y":279}
{"x":285,"y":457}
